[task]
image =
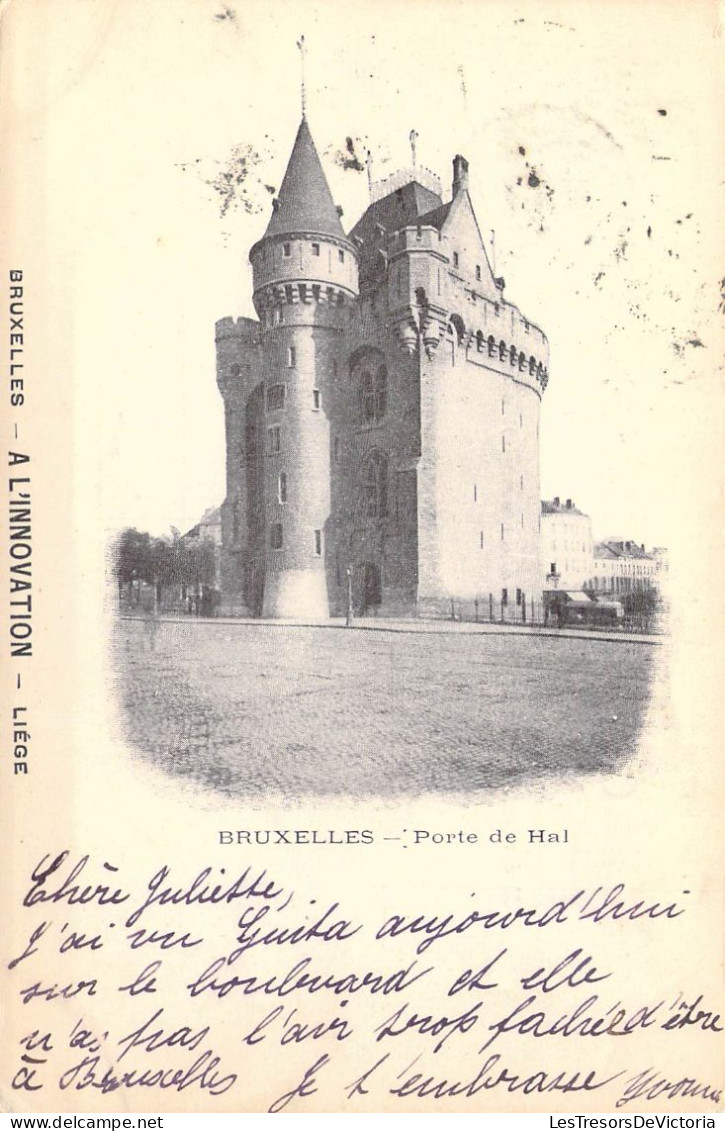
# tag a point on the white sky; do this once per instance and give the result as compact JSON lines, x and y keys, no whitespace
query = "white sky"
{"x":141,"y":99}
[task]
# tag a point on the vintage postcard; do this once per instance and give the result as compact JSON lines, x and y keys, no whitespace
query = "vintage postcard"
{"x":362,"y":662}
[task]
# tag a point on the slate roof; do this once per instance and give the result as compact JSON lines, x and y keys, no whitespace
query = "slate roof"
{"x":305,"y":202}
{"x":401,"y":207}
{"x":620,"y":549}
{"x":437,"y":217}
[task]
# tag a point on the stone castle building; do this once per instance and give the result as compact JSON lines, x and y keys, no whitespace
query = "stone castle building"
{"x":382,"y":415}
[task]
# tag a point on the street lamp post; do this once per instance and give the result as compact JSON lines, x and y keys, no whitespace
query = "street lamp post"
{"x":348,"y":618}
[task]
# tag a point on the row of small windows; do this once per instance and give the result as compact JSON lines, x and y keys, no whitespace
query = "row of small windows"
{"x":287,"y":251}
{"x":276,"y":538}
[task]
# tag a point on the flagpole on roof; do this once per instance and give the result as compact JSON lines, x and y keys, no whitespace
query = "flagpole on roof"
{"x":303,"y":89}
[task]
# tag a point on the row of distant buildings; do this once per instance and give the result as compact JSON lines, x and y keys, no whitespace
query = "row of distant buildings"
{"x":573,"y":561}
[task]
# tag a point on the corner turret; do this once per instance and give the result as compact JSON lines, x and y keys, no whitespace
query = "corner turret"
{"x":305,"y":283}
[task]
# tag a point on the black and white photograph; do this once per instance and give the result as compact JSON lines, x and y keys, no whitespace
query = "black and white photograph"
{"x":367,"y":423}
{"x":363,"y":388}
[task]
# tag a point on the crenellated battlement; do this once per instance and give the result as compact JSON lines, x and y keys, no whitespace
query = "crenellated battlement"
{"x":244,"y":329}
{"x":503,"y":341}
{"x":277,"y":305}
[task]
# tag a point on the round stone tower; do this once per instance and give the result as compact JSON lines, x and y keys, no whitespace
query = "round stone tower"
{"x":305,"y":281}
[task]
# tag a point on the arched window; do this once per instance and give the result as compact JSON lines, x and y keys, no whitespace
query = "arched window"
{"x":374,"y":491}
{"x":532,"y":367}
{"x":491,"y":345}
{"x":522,"y":361}
{"x":502,"y":351}
{"x":512,"y":355}
{"x":479,"y":341}
{"x":539,"y":371}
{"x":458,"y":327}
{"x":373,"y":393}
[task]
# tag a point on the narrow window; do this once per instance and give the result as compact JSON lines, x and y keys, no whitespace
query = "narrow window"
{"x":291,"y":357}
{"x":286,"y":250}
{"x":503,"y":406}
{"x":502,"y":532}
{"x":375,"y":486}
{"x":336,"y":448}
{"x":455,"y":258}
{"x":341,"y":255}
{"x":288,"y":293}
{"x":316,"y":399}
{"x":374,"y":394}
{"x":504,"y":596}
{"x":275,"y":397}
{"x":318,"y":542}
{"x":282,"y":487}
{"x":274,"y":440}
{"x":316,"y":291}
{"x":481,"y":539}
{"x":475,"y":493}
{"x":478,"y":273}
{"x":275,"y":535}
{"x":316,"y":249}
{"x":381,"y":392}
{"x":521,"y":482}
{"x":521,"y":420}
{"x":518,"y":596}
{"x":503,"y":443}
{"x":367,"y":395}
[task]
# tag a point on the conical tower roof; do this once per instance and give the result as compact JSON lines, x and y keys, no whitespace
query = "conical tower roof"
{"x":305,"y":202}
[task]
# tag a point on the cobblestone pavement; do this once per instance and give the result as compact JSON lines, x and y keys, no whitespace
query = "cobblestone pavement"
{"x":286,"y":711}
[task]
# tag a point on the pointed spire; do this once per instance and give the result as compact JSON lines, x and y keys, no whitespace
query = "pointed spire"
{"x":305,"y":202}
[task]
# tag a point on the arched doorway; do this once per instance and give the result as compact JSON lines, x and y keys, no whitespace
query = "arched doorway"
{"x":372,"y":589}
